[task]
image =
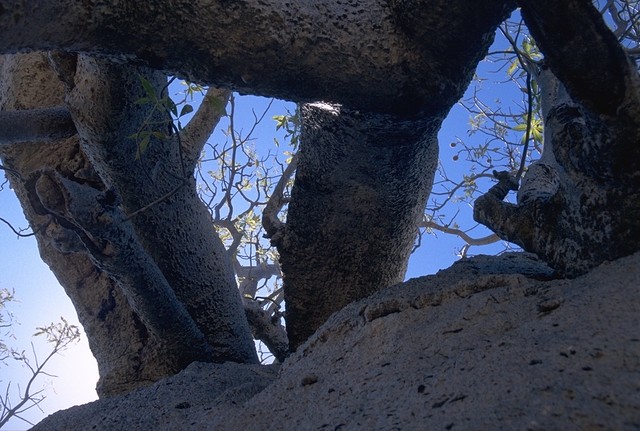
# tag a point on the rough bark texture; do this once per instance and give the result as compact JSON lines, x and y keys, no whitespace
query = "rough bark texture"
{"x":190,"y":255}
{"x":98,"y":254}
{"x":49,"y":124}
{"x":580,"y":204}
{"x":408,"y":59}
{"x":376,"y":55}
{"x":128,"y":355}
{"x":362,"y":179}
{"x":489,"y":344}
{"x":395,"y":67}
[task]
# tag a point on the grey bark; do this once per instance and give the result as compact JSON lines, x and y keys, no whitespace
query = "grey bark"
{"x":48,"y":124}
{"x":363,"y":177}
{"x":399,"y":62}
{"x":580,"y":204}
{"x":95,"y":219}
{"x":175,"y":227}
{"x":128,"y":355}
{"x":137,"y":329}
{"x":376,"y":55}
{"x":267,"y":328}
{"x":408,"y":59}
{"x":361,"y":185}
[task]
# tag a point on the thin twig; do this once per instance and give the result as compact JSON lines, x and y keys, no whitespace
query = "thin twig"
{"x":157,"y":201}
{"x":489,"y":239}
{"x":19,"y":233}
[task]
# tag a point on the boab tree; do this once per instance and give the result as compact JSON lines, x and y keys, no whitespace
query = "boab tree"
{"x":579,"y":205}
{"x":128,"y":238}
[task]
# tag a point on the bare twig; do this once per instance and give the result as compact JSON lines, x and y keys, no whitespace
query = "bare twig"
{"x":489,"y":239}
{"x":155,"y":202}
{"x":17,"y":232}
{"x":270,"y":220}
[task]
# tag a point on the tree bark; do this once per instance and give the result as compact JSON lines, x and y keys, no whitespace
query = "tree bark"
{"x":128,"y":355}
{"x":49,"y":124}
{"x":116,"y":285}
{"x":401,"y":62}
{"x":175,"y":227}
{"x":405,"y":62}
{"x":360,"y":188}
{"x":377,"y":55}
{"x":580,"y":204}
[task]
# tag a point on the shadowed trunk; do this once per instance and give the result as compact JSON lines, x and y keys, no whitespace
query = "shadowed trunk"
{"x":360,"y":189}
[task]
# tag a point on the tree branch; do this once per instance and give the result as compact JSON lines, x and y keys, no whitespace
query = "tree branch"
{"x":270,"y":221}
{"x":289,"y":50}
{"x":195,"y":134}
{"x":581,"y":51}
{"x":113,"y":246}
{"x":49,"y":124}
{"x":266,"y":329}
{"x":489,"y":239}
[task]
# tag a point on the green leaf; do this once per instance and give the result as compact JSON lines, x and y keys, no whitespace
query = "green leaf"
{"x":513,"y":67}
{"x":186,"y":109}
{"x":143,"y":144}
{"x":522,"y":127}
{"x":159,"y":135}
{"x":281,"y":121}
{"x":148,"y":88}
{"x":142,"y":101}
{"x":171,"y":106}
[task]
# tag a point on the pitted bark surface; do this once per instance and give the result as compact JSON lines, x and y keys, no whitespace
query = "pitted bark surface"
{"x":491,"y":343}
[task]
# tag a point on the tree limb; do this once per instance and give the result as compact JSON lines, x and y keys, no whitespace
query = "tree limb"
{"x":113,"y":245}
{"x":48,"y":124}
{"x":489,"y":239}
{"x":581,"y":51}
{"x":289,"y":50}
{"x":266,"y":329}
{"x":270,"y":221}
{"x":198,"y":130}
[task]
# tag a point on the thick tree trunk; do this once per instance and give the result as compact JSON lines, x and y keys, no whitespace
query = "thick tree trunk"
{"x":137,"y":328}
{"x":360,"y":188}
{"x":395,"y":66}
{"x":128,"y":355}
{"x":175,"y":227}
{"x":580,"y":204}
